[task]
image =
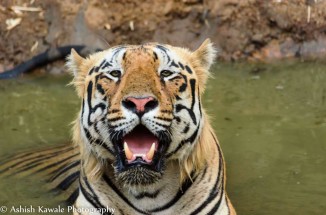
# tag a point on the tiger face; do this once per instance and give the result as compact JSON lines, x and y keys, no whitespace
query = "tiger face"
{"x":141,"y":107}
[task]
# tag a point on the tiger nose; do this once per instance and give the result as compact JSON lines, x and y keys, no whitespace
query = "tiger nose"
{"x":140,"y":105}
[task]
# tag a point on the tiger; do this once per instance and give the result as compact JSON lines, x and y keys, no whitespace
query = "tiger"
{"x":143,"y":143}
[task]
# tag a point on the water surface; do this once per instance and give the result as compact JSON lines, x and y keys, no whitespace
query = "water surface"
{"x":272,"y":128}
{"x":270,"y":120}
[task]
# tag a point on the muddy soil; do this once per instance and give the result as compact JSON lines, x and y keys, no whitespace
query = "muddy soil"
{"x":242,"y":30}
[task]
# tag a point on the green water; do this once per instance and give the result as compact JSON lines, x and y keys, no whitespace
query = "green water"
{"x":270,"y":120}
{"x":35,"y":113}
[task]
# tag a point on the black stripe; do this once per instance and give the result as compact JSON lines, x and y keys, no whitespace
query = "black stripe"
{"x":19,"y":162}
{"x":87,"y":195}
{"x":177,"y":119}
{"x":113,"y":111}
{"x":164,"y":126}
{"x":163,"y":118}
{"x":28,"y":167}
{"x":174,"y":64}
{"x":185,"y":186}
{"x":95,"y":197}
{"x":181,"y":65}
{"x":56,"y":163}
{"x":162,"y":48}
{"x":155,"y":56}
{"x":199,"y":102}
{"x":93,"y":200}
{"x":96,"y":141}
{"x":183,"y":87}
{"x":102,"y":63}
{"x":180,"y":107}
{"x":42,"y":158}
{"x":91,"y":71}
{"x":117,"y":191}
{"x":34,"y":152}
{"x":192,"y":87}
{"x":188,"y":69}
{"x":166,"y":111}
{"x":96,"y":69}
{"x":147,"y":195}
{"x":175,"y":78}
{"x":216,"y":189}
{"x":107,"y":64}
{"x":106,"y":77}
{"x":100,"y":89}
{"x":73,"y":197}
{"x":96,"y":129}
{"x":65,"y":184}
{"x":112,"y":128}
{"x":8,"y":159}
{"x":102,"y":106}
{"x":212,"y":194}
{"x":186,"y":129}
{"x":162,"y":81}
{"x":64,"y":169}
{"x":217,"y":205}
{"x":204,"y":173}
{"x":83,"y":107}
{"x":96,"y":78}
{"x":116,"y":118}
{"x":191,"y":140}
{"x":98,"y":86}
{"x":89,"y":99}
{"x":116,"y":51}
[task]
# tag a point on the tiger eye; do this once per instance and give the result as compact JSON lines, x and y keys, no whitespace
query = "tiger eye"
{"x":166,"y":73}
{"x":115,"y":73}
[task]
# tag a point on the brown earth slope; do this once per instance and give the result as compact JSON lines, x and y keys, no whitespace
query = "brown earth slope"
{"x":246,"y":29}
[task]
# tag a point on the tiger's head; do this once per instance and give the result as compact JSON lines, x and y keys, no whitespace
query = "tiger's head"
{"x":141,"y":108}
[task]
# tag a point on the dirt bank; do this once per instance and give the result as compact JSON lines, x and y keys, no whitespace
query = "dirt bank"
{"x":246,"y":29}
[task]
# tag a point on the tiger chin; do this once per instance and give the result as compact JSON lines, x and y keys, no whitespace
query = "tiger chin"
{"x":146,"y":143}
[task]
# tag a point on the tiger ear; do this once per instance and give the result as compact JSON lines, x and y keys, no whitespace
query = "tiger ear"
{"x":74,"y":62}
{"x":206,"y":54}
{"x":203,"y":58}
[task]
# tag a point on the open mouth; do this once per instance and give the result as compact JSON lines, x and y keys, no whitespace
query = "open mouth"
{"x":141,"y":148}
{"x":140,"y":144}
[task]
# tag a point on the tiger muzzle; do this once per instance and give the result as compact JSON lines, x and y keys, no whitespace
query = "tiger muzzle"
{"x":140,"y":153}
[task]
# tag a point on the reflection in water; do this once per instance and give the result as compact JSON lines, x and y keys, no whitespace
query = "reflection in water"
{"x":270,"y":120}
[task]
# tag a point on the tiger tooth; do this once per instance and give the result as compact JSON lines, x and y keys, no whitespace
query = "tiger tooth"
{"x":128,"y":152}
{"x":150,"y":153}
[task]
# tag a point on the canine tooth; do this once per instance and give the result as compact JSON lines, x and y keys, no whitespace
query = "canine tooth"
{"x":128,"y":152}
{"x":150,"y":153}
